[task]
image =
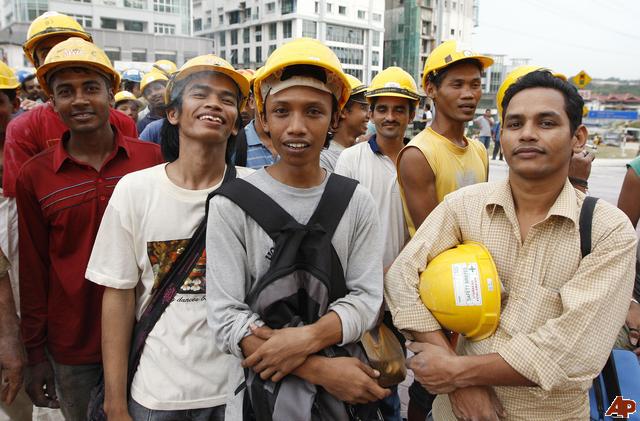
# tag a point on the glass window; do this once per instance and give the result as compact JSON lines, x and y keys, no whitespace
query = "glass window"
{"x":165,"y":6}
{"x":135,"y":4}
{"x":271,"y":7}
{"x":113,"y":53}
{"x":377,"y":17}
{"x":246,"y":57}
{"x":258,"y":54}
{"x":273,"y":30}
{"x":139,"y":55}
{"x":234,"y":57}
{"x":167,"y":55}
{"x":287,"y":29}
{"x":197,"y":24}
{"x":234,"y":37}
{"x":375,"y":58}
{"x":376,"y":38}
{"x":107,"y":23}
{"x":349,"y":55}
{"x":362,"y":14}
{"x":85,"y":21}
{"x":345,"y":34}
{"x":272,"y":48}
{"x":309,"y":28}
{"x":355,"y":72}
{"x":221,"y":19}
{"x":234,"y":17}
{"x":223,"y":54}
{"x":342,"y":10}
{"x":328,"y":7}
{"x":246,"y":34}
{"x":317,"y":7}
{"x":133,"y":25}
{"x":223,"y":38}
{"x":258,"y":33}
{"x":164,"y":29}
{"x":288,"y":6}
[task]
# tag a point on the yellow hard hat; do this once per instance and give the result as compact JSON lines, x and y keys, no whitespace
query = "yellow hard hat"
{"x":461,"y":289}
{"x":513,"y":76}
{"x":304,"y":51}
{"x":76,"y":52}
{"x":393,"y":81}
{"x":165,"y":66}
{"x":8,"y":79}
{"x":51,"y":24}
{"x":211,"y":63}
{"x":150,"y":78}
{"x":127,"y":96}
{"x":445,"y":55}
{"x":356,"y":84}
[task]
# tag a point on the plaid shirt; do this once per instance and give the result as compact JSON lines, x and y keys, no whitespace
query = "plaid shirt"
{"x":560,"y":313}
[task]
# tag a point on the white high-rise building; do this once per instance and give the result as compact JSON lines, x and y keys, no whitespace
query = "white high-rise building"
{"x":246,"y":32}
{"x":128,"y":30}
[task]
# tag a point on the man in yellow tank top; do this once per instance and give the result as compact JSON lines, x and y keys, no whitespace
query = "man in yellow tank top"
{"x":440,"y":159}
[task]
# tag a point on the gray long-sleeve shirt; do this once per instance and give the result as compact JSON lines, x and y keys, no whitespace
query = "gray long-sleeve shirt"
{"x":237,"y":255}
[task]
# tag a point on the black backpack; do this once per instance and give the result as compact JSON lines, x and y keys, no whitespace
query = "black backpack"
{"x":305,"y":275}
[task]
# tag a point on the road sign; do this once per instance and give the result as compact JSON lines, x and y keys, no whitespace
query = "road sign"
{"x":582,"y":79}
{"x":614,"y":114}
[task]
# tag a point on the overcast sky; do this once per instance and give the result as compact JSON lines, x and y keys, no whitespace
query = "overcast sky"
{"x":601,"y":37}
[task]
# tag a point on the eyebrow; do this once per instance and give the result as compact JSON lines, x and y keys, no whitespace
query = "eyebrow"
{"x":208,"y":88}
{"x":538,"y":115}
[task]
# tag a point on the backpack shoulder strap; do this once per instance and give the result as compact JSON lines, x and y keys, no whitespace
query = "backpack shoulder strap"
{"x":586,"y":218}
{"x":334,"y":202}
{"x":256,"y":204}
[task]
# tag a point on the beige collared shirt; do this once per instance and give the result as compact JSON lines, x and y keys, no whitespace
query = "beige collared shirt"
{"x":560,"y":313}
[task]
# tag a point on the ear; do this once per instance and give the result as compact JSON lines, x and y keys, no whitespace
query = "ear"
{"x":173,"y":115}
{"x":579,"y":138}
{"x":262,"y":116}
{"x":431,"y":91}
{"x":234,"y":129}
{"x":15,"y":104}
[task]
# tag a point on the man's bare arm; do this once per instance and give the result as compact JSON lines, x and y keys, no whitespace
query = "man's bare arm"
{"x":418,"y":183}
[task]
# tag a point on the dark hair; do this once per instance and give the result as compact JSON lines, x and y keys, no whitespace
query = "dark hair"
{"x":374,"y":100}
{"x":10,"y":93}
{"x":573,"y":102}
{"x":128,"y":85}
{"x":436,"y":78}
{"x":170,"y":134}
{"x":316,"y":73}
{"x":27,"y":78}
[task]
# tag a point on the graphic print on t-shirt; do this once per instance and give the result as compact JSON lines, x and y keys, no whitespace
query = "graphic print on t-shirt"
{"x":162,"y":255}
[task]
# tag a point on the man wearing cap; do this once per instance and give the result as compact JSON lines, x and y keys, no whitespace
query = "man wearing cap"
{"x":128,"y":104}
{"x":41,"y":127}
{"x":393,"y":97}
{"x":440,"y":159}
{"x":299,"y":93}
{"x":61,"y":196}
{"x":153,"y":86}
{"x":563,"y":300}
{"x":182,"y":374}
{"x":353,"y":123}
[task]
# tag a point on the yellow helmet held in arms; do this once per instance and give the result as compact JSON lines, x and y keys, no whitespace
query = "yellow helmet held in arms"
{"x":51,"y":24}
{"x":513,"y":76}
{"x":303,"y":51}
{"x":461,"y":289}
{"x":393,"y":81}
{"x":445,"y":55}
{"x":76,"y":52}
{"x":8,"y":79}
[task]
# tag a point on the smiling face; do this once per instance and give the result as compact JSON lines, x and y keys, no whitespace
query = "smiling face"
{"x":209,"y":108}
{"x":355,"y":118}
{"x":297,"y":120}
{"x":391,"y":116}
{"x":82,"y":98}
{"x":459,"y":92}
{"x":129,"y":108}
{"x":154,"y":94}
{"x":536,"y":137}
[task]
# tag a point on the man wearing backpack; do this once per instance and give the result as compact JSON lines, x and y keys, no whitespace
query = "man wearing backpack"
{"x":145,"y":231}
{"x":560,"y":312}
{"x":299,"y":93}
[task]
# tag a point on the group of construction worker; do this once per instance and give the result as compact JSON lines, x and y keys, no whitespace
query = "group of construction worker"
{"x":214,"y":243}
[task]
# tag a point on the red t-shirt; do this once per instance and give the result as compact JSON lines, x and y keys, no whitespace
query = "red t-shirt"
{"x":36,"y":130}
{"x":60,"y":205}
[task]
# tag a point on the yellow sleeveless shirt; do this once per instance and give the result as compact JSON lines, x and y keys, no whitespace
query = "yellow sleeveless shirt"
{"x":453,"y":166}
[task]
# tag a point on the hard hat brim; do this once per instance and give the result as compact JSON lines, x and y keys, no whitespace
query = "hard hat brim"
{"x":29,"y":46}
{"x":241,"y":81}
{"x":485,"y":62}
{"x":50,"y":68}
{"x":391,"y":92}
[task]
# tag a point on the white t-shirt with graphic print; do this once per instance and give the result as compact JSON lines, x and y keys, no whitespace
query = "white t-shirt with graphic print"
{"x":148,"y":222}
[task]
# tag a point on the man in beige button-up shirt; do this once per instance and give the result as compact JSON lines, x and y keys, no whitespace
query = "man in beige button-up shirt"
{"x":560,"y":313}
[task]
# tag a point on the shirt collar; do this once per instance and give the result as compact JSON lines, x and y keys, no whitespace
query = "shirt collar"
{"x":373,"y":144}
{"x":565,"y":206}
{"x":60,"y":154}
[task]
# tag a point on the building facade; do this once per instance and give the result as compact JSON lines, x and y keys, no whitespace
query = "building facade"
{"x":246,"y":32}
{"x":413,"y":28}
{"x":128,"y":30}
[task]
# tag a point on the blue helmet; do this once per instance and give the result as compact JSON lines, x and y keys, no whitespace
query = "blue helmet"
{"x":134,"y":75}
{"x":23,"y":74}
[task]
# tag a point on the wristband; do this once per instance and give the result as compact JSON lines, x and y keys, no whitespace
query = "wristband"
{"x":579,"y":182}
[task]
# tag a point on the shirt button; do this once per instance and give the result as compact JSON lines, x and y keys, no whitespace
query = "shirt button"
{"x":102,"y":198}
{"x":99,"y":180}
